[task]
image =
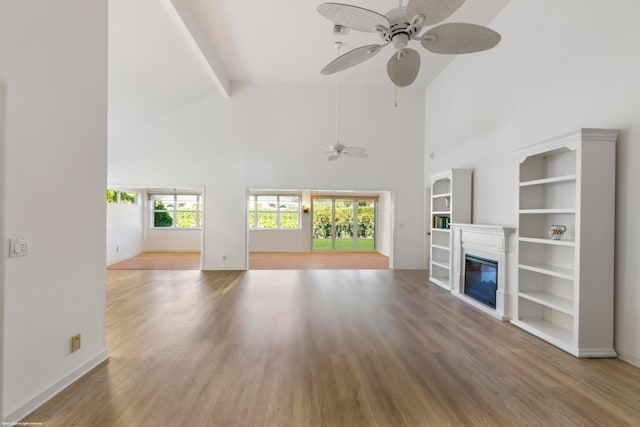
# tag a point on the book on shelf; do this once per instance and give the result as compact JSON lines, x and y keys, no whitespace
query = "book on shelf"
{"x":441,"y":222}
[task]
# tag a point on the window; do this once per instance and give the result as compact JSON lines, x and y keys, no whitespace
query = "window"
{"x":274,"y":212}
{"x":177,"y":210}
{"x":122,"y":197}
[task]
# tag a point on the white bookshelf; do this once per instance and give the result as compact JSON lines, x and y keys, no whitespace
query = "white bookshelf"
{"x":565,"y":287}
{"x":450,"y":202}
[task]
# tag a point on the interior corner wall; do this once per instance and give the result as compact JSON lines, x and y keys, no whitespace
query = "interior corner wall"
{"x":269,"y":136}
{"x":124,"y":231}
{"x":3,"y":237}
{"x":55,"y":66}
{"x":550,"y":74}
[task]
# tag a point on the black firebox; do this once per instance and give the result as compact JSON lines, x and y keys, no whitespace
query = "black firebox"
{"x":481,"y":279}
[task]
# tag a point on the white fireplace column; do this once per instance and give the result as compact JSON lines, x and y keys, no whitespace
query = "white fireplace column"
{"x":490,"y":242}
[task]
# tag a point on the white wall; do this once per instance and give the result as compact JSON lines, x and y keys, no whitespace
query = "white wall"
{"x":560,"y":66}
{"x":53,"y":56}
{"x":269,"y":136}
{"x":384,"y":223}
{"x":124,"y":231}
{"x":172,"y":240}
{"x":3,"y":237}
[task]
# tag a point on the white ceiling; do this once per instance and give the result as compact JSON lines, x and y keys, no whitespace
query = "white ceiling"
{"x":288,"y":41}
{"x":155,"y":66}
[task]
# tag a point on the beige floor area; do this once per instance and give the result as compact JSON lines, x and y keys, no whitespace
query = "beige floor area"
{"x":160,"y":261}
{"x":352,"y":348}
{"x":318,"y":261}
{"x":261,"y":261}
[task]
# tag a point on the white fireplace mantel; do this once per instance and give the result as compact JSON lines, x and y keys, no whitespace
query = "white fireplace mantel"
{"x":484,"y":241}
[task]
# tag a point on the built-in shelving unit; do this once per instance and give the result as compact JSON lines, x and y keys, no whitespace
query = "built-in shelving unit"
{"x":450,"y":202}
{"x":565,"y":287}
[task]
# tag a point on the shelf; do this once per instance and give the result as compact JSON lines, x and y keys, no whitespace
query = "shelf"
{"x":548,"y":331}
{"x":440,"y":264}
{"x":549,"y":270}
{"x":556,"y":179}
{"x":443,"y":248}
{"x":548,"y":241}
{"x":547,"y":211}
{"x":549,"y":300}
{"x":436,"y":196}
{"x":440,"y":229}
{"x":443,"y":282}
{"x":441,"y":213}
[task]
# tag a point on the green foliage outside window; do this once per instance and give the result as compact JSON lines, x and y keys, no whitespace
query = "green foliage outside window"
{"x":123,"y":197}
{"x":179,"y":211}
{"x":344,"y":219}
{"x":274,"y":212}
{"x":112,"y":196}
{"x":161,"y":218}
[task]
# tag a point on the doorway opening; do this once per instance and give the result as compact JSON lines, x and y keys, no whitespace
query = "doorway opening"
{"x":319,"y":229}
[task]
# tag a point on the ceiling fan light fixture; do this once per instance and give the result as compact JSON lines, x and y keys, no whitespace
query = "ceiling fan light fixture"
{"x":401,"y":40}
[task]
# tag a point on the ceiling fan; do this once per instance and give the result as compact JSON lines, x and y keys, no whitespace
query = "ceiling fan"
{"x":401,"y":25}
{"x":338,"y":149}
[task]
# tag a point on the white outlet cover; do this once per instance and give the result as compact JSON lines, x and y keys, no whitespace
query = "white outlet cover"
{"x":18,"y":247}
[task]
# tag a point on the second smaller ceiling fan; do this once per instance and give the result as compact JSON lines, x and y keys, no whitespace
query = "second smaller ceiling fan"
{"x":338,"y":149}
{"x":401,"y":25}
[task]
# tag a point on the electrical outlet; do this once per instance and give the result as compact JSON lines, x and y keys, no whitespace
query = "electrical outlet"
{"x":75,"y":343}
{"x":18,"y":247}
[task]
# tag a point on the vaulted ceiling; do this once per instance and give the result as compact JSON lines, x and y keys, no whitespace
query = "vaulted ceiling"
{"x":155,"y":65}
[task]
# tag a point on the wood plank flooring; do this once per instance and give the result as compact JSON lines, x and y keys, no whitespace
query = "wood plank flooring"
{"x":318,"y":261}
{"x":160,"y":261}
{"x":327,"y":348}
{"x":261,"y":261}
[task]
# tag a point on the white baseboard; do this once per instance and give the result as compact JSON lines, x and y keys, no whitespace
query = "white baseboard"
{"x":124,"y":258}
{"x":34,"y":403}
{"x":633,"y":360}
{"x":151,"y":251}
{"x":235,"y":268}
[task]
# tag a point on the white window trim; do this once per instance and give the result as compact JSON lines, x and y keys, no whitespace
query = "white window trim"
{"x":175,"y":211}
{"x":278,"y":227}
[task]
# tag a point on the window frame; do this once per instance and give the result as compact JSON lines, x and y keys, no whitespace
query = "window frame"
{"x":119,"y":200}
{"x":278,"y":211}
{"x":175,"y":210}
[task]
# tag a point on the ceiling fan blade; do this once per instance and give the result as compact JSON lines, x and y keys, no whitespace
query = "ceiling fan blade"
{"x":359,"y":154}
{"x":457,"y":38}
{"x":354,"y":17}
{"x":434,"y":11}
{"x":354,"y":149}
{"x":351,"y":58}
{"x":403,"y":67}
{"x":333,"y":157}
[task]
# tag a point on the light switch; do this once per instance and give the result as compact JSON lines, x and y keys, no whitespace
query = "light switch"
{"x":18,"y":247}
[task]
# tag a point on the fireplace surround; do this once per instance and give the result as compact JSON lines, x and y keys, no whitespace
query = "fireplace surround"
{"x":485,"y":242}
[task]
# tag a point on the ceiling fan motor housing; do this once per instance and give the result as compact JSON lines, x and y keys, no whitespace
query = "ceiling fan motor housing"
{"x":400,"y":30}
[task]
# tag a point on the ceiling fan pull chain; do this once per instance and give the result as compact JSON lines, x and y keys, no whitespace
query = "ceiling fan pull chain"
{"x":395,"y":96}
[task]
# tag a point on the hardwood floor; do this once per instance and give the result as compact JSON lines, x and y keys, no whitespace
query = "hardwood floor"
{"x":318,"y":261}
{"x":160,"y":261}
{"x":327,"y":348}
{"x":261,"y":261}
